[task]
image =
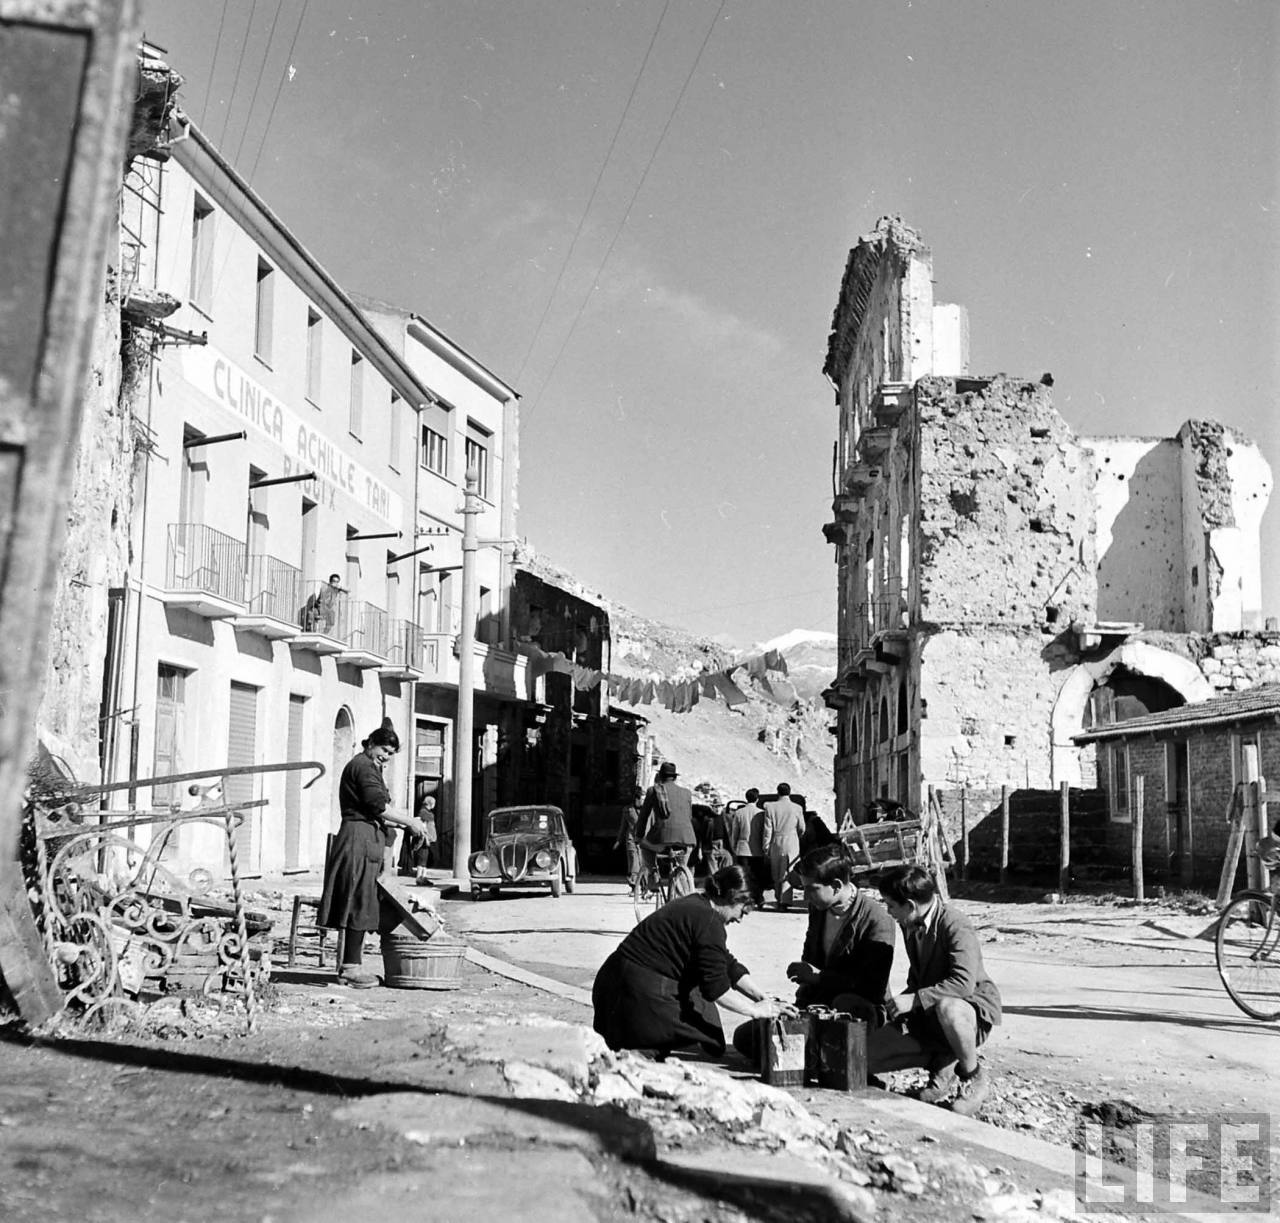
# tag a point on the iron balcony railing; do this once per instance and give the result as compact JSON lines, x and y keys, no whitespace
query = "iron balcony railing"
{"x":274,"y":588}
{"x":202,"y":559}
{"x":876,"y":616}
{"x":407,"y":646}
{"x":362,"y":626}
{"x":357,"y":624}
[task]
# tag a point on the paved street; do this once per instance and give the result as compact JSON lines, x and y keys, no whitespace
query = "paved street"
{"x":1150,"y":1023}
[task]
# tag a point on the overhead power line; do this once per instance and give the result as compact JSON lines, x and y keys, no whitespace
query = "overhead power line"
{"x":626,"y":110}
{"x":284,"y":76}
{"x":244,"y":42}
{"x":213,"y":63}
{"x":262,"y":68}
{"x":666,"y":127}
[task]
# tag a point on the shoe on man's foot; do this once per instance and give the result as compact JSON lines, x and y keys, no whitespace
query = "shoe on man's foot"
{"x":941,"y":1085}
{"x":971,"y":1092}
{"x":357,"y":978}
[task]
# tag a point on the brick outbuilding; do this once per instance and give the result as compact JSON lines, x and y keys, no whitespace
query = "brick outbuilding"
{"x":1191,"y":759}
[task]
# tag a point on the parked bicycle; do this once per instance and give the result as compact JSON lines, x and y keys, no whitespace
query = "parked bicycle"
{"x":1248,"y":945}
{"x":667,"y":879}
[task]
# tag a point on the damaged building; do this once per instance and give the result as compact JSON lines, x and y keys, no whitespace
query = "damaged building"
{"x":578,"y":750}
{"x":1003,"y":582}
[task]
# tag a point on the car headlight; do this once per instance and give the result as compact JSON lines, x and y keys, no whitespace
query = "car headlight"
{"x":544,"y":859}
{"x":480,"y":864}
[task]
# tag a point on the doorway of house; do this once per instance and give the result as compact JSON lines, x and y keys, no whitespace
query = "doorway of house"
{"x":343,"y":744}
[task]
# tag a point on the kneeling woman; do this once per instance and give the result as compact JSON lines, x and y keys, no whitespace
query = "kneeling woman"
{"x":660,"y":988}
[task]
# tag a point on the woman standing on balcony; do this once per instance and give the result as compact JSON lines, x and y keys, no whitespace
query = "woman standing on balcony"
{"x":350,"y":901}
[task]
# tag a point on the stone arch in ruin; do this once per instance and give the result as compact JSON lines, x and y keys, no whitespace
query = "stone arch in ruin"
{"x":1139,"y":657}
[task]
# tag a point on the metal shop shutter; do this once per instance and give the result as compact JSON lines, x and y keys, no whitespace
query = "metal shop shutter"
{"x":293,"y":786}
{"x":242,"y":749}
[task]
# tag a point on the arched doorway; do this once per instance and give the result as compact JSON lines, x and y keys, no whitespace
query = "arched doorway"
{"x":344,"y":739}
{"x":1143,"y":673}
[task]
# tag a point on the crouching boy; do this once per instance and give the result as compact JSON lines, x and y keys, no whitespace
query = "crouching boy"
{"x":950,"y":1005}
{"x":848,"y":946}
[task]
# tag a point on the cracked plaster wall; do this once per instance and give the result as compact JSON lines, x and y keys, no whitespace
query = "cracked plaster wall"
{"x":95,"y":552}
{"x":1226,"y":486}
{"x":1142,"y":572}
{"x":1178,"y":529}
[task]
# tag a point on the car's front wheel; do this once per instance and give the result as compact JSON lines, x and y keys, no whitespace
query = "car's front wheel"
{"x":476,"y":893}
{"x":570,"y":882}
{"x":557,"y":884}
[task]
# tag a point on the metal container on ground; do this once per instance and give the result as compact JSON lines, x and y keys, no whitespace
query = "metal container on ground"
{"x":410,"y":962}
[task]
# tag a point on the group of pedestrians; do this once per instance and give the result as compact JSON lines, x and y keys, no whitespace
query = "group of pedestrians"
{"x":762,"y":837}
{"x":766,"y":837}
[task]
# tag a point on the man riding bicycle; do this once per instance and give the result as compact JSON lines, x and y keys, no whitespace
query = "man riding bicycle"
{"x":666,"y":819}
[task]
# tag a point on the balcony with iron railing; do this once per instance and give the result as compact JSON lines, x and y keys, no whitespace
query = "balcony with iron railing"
{"x":365,"y":632}
{"x":204,"y":571}
{"x":272,"y":598}
{"x":887,"y":613}
{"x":409,"y":654}
{"x":317,"y":611}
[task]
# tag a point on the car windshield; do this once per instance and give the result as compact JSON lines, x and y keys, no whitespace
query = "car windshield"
{"x":506,"y":822}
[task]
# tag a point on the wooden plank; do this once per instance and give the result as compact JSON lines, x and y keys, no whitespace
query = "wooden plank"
{"x":70,"y":73}
{"x":1139,"y":795}
{"x":1256,"y":829}
{"x":417,"y":921}
{"x":1235,"y":839}
{"x":28,"y":977}
{"x":1064,"y":838}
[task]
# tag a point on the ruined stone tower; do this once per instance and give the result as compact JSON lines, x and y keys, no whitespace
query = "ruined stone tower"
{"x":1001,"y":581}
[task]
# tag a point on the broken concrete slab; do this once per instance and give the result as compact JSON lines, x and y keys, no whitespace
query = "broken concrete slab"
{"x":446,"y":1119}
{"x":565,"y":1049}
{"x":741,"y":1178}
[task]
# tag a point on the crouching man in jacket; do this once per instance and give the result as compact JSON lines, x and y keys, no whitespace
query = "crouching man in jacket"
{"x":848,"y":946}
{"x":950,"y":1005}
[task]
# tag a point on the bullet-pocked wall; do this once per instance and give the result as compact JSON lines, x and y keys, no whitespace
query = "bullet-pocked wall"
{"x":972,"y":531}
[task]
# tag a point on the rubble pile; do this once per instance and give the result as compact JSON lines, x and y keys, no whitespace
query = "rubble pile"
{"x":695,"y":1110}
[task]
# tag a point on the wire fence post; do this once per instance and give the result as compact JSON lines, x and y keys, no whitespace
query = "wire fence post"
{"x":1004,"y":833}
{"x":1139,"y":784}
{"x":964,"y":836}
{"x":1064,"y":838}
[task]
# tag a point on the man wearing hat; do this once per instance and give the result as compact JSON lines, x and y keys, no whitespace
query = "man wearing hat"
{"x":666,"y":816}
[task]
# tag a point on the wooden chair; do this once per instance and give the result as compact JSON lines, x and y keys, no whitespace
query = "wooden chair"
{"x":296,"y":926}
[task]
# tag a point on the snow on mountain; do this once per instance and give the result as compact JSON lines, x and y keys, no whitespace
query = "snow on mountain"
{"x":798,"y":637}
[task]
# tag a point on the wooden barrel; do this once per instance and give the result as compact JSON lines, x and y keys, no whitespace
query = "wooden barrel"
{"x":409,"y":962}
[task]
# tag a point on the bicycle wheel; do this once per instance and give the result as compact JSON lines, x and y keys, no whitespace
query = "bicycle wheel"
{"x":1248,"y":950}
{"x":681,"y":883}
{"x":646,"y":896}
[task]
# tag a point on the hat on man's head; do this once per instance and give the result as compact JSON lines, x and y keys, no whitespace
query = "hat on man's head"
{"x":668,"y":770}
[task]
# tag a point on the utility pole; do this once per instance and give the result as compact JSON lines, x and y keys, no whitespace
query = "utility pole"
{"x":463,"y":747}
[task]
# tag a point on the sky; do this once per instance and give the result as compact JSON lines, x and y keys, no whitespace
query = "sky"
{"x":1097,"y":182}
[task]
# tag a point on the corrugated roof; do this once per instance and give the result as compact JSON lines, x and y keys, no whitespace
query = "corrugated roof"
{"x":1253,"y":703}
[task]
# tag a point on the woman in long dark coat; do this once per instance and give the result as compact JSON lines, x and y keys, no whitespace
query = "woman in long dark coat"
{"x":350,"y":898}
{"x":660,"y":988}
